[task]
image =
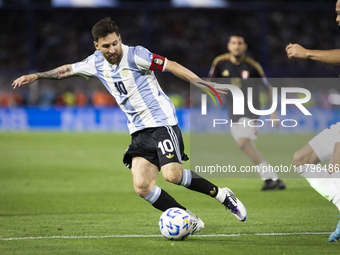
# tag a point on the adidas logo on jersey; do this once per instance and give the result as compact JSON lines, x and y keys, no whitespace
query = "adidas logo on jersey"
{"x":170,"y":156}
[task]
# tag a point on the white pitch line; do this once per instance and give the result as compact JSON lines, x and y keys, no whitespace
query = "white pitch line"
{"x":141,"y":236}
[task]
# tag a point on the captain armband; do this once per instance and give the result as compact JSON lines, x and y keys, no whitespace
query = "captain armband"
{"x":157,"y":63}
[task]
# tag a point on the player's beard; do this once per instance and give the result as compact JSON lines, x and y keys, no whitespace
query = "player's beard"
{"x":113,"y":59}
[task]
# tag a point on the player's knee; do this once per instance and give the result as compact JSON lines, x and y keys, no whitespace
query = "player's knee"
{"x":243,"y":143}
{"x":142,"y":188}
{"x":172,"y":174}
{"x":173,"y":177}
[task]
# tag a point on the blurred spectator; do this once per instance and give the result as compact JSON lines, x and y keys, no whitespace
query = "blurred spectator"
{"x":81,"y":98}
{"x":6,"y":99}
{"x":18,"y":98}
{"x":177,"y":100}
{"x":47,"y":95}
{"x":59,"y":101}
{"x":101,"y":98}
{"x":69,"y":98}
{"x":322,"y":99}
{"x":192,"y":37}
{"x":10,"y":98}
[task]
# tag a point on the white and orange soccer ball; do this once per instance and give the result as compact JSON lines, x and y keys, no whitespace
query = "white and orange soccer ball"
{"x":175,"y":224}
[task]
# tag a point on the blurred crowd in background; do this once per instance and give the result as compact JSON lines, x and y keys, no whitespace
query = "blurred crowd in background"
{"x":40,"y":39}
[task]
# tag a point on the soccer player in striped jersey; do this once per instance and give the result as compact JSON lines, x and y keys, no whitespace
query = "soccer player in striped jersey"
{"x":156,"y":144}
{"x":324,"y":146}
{"x":243,"y":72}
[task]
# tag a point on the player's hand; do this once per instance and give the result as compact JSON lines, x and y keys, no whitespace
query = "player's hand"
{"x":220,"y":91}
{"x":296,"y":51}
{"x":211,"y":86}
{"x":24,"y":80}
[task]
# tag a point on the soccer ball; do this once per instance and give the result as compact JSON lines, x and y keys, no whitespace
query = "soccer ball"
{"x":175,"y":224}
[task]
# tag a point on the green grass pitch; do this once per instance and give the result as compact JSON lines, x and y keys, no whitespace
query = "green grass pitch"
{"x":69,"y":193}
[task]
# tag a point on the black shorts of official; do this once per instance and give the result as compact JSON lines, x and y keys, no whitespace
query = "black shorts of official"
{"x":160,"y":146}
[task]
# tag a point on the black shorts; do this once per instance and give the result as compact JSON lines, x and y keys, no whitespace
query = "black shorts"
{"x":160,"y":146}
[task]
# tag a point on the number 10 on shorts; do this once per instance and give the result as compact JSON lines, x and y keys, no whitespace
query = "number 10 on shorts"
{"x":166,"y":146}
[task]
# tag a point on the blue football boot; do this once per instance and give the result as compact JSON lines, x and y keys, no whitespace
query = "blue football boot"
{"x":336,"y":234}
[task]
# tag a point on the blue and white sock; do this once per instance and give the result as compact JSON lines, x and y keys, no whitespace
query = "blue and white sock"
{"x":186,"y":179}
{"x":153,"y":195}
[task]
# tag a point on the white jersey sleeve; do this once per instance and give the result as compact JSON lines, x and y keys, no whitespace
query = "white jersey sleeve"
{"x":85,"y":68}
{"x":145,"y":60}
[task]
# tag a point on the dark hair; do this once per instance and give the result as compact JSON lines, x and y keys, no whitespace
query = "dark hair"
{"x":103,"y":28}
{"x":238,"y":35}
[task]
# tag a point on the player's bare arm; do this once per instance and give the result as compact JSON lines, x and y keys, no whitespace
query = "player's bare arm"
{"x":58,"y":73}
{"x":327,"y":56}
{"x":185,"y":74}
{"x":179,"y":71}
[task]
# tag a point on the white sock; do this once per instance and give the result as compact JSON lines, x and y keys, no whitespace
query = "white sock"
{"x":266,"y":171}
{"x":221,"y":193}
{"x":335,"y":177}
{"x":336,"y":182}
{"x":322,"y":182}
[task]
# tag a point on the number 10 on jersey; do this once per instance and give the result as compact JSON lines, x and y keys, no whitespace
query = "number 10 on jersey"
{"x":121,"y":88}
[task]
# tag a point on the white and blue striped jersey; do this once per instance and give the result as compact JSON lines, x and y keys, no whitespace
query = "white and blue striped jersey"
{"x":134,"y":86}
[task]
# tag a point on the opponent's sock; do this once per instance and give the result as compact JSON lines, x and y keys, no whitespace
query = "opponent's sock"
{"x":193,"y":181}
{"x":266,"y":171}
{"x":161,"y":200}
{"x":322,"y":182}
{"x":335,"y":177}
{"x":336,"y":180}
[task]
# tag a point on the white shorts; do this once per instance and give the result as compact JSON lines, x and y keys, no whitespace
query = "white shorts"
{"x":323,"y":143}
{"x":243,"y":131}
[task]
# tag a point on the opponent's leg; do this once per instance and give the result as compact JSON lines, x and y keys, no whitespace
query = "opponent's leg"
{"x":334,"y":161}
{"x":270,"y":178}
{"x":249,"y":148}
{"x":324,"y":146}
{"x":245,"y":135}
{"x":305,"y":161}
{"x":334,"y":164}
